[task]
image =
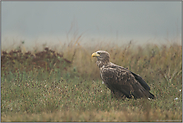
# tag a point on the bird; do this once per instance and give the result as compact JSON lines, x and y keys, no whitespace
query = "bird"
{"x":122,"y":82}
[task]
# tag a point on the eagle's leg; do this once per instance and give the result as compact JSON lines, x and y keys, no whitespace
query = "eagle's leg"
{"x":112,"y":94}
{"x":117,"y":95}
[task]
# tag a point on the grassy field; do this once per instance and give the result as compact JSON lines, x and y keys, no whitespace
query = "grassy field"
{"x":63,"y":84}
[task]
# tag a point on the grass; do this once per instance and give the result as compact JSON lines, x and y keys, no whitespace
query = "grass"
{"x":65,"y":85}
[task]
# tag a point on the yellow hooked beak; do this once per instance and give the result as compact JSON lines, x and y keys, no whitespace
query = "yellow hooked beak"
{"x":95,"y":54}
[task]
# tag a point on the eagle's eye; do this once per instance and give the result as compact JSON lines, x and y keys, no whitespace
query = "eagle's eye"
{"x":98,"y":53}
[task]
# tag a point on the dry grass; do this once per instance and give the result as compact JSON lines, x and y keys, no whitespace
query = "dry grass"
{"x":65,"y":85}
{"x":96,"y":116}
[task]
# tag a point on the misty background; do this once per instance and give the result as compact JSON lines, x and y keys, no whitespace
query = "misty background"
{"x":56,"y":22}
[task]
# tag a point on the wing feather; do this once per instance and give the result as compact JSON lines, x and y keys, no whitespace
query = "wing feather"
{"x":122,"y":80}
{"x":141,"y":81}
{"x":137,"y":77}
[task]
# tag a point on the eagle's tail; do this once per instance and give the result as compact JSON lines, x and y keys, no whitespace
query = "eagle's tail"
{"x":151,"y":95}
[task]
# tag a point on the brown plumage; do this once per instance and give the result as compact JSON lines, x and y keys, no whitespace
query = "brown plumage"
{"x":122,"y":82}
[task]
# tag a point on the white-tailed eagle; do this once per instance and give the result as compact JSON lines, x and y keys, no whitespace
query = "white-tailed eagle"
{"x":122,"y":82}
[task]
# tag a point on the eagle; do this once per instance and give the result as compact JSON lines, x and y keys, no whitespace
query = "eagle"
{"x":122,"y":82}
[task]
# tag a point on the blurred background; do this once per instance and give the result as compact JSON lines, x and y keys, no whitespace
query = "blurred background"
{"x":58,"y":22}
{"x":48,"y":74}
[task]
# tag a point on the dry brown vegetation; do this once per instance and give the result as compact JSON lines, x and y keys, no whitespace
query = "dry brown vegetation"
{"x":64,"y":84}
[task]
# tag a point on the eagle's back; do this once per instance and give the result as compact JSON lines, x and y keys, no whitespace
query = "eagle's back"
{"x":120,"y":79}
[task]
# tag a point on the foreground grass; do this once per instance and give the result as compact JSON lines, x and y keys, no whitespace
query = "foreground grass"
{"x":97,"y":116}
{"x":67,"y":87}
{"x":80,"y":101}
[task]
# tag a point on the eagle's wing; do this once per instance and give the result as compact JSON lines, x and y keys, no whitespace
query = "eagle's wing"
{"x":122,"y":80}
{"x":137,"y":77}
{"x":141,"y":81}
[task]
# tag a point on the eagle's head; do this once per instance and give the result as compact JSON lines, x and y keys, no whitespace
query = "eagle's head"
{"x":102,"y":57}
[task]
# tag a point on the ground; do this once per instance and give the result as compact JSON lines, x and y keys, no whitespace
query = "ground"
{"x":53,"y":85}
